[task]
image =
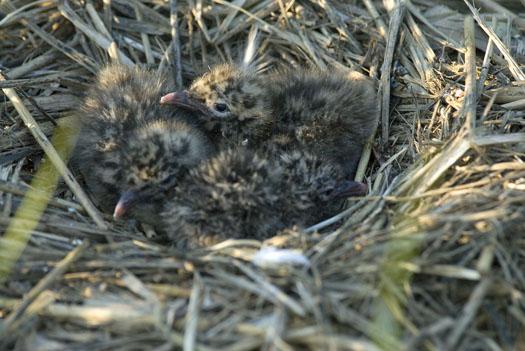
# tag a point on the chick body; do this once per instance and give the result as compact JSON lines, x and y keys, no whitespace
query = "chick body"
{"x":128,"y":143}
{"x":327,"y":113}
{"x":241,"y":195}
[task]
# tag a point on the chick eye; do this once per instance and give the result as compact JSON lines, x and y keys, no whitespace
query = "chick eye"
{"x":220,"y":107}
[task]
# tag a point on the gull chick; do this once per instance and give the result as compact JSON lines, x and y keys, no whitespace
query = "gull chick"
{"x":129,"y":145}
{"x":328,"y":113}
{"x":153,"y":160}
{"x":240,"y":194}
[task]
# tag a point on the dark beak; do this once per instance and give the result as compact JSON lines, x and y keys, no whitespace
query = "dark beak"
{"x":347,"y":188}
{"x":175,"y":98}
{"x":126,"y":201}
{"x":184,"y":100}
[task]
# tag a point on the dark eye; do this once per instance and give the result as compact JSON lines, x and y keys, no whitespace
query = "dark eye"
{"x":220,"y":107}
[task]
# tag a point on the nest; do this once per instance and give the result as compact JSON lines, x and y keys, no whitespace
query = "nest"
{"x":433,"y":258}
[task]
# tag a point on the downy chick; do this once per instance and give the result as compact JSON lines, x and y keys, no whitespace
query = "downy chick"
{"x":153,"y":160}
{"x":128,"y":143}
{"x":239,"y":194}
{"x":327,"y":113}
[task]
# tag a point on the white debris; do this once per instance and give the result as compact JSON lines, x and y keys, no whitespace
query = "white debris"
{"x":271,"y":257}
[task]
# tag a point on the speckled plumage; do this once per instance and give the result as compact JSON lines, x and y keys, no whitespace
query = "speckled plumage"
{"x":328,"y":113}
{"x":128,"y":143}
{"x":239,"y":194}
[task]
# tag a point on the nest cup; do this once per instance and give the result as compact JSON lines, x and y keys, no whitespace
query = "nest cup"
{"x":431,"y":258}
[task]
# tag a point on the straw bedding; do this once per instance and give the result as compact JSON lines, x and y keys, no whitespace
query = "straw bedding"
{"x":432,"y":259}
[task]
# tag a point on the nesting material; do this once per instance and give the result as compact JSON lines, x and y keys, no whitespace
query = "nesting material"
{"x":432,"y":258}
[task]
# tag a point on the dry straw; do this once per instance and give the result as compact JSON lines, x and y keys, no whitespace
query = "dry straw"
{"x":433,"y":258}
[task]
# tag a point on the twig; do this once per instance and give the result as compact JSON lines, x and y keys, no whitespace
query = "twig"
{"x":332,"y":220}
{"x":14,"y":13}
{"x":431,"y":330}
{"x":107,"y":14}
{"x":486,"y":62}
{"x":513,"y":65}
{"x":67,"y":50}
{"x":393,"y":30}
{"x":145,"y":39}
{"x":515,"y":105}
{"x":488,"y":107}
{"x":274,"y":291}
{"x":423,"y":178}
{"x":18,"y":189}
{"x":17,"y":83}
{"x":43,"y":284}
{"x":227,"y":20}
{"x":114,"y":53}
{"x":476,"y":298}
{"x":192,"y":316}
{"x":54,"y":157}
{"x":8,"y":202}
{"x":251,"y":47}
{"x":98,"y":38}
{"x":421,"y":39}
{"x":415,"y":11}
{"x":174,"y":22}
{"x":365,"y":157}
{"x":36,"y":106}
{"x":470,"y":101}
{"x":486,"y":140}
{"x":499,"y":9}
{"x":367,"y":149}
{"x":32,"y":65}
{"x":377,"y":18}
